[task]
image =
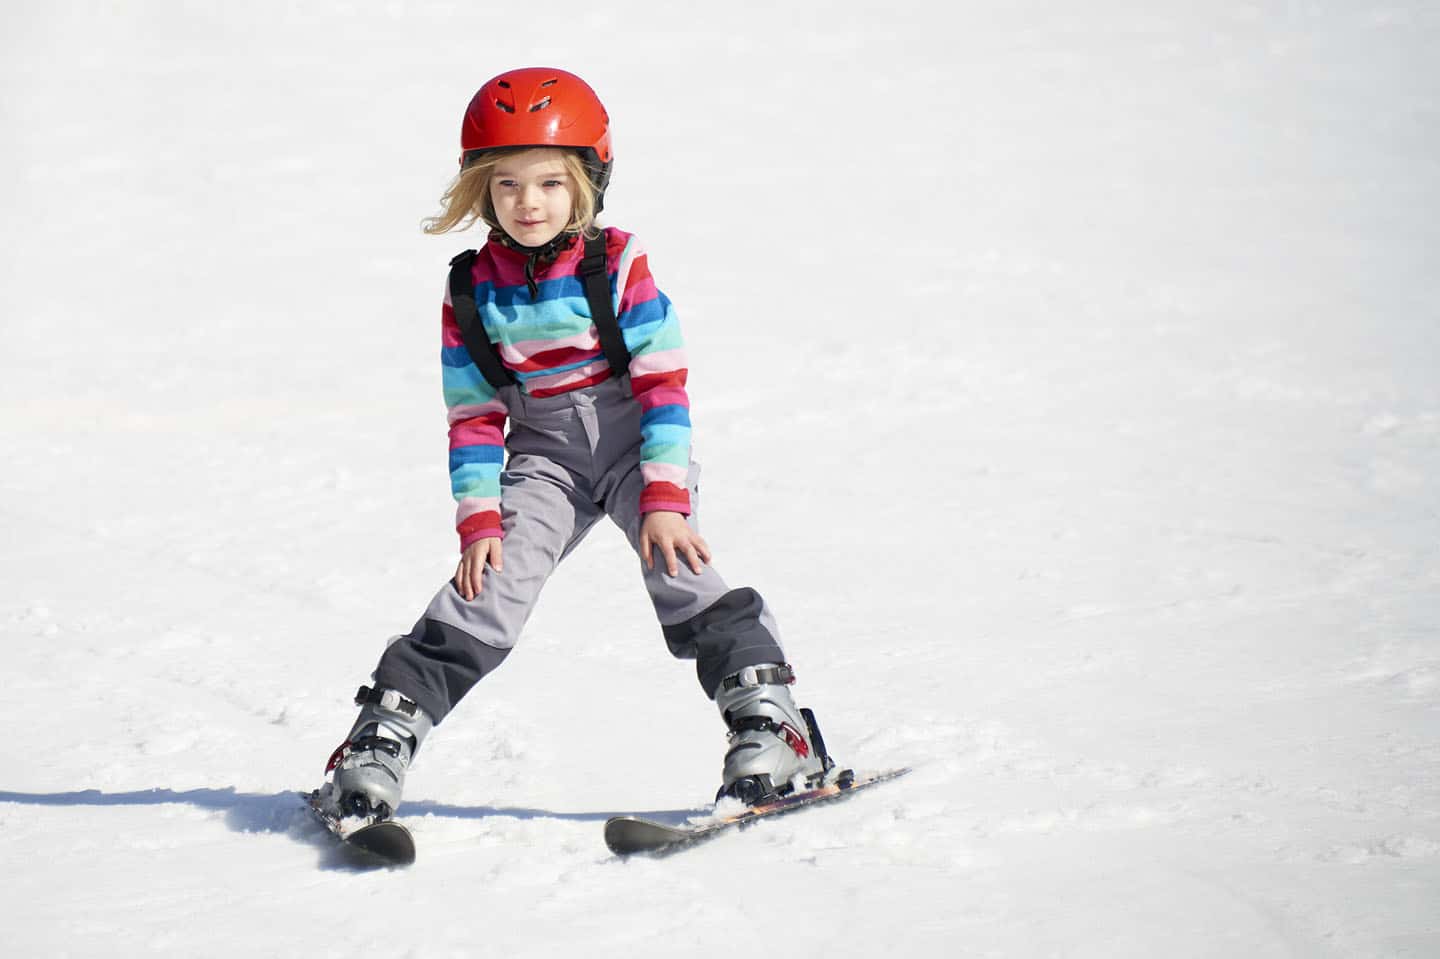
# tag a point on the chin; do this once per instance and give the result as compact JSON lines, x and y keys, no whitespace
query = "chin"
{"x":534,"y":236}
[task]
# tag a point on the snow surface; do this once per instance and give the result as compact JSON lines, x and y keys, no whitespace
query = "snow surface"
{"x":1065,"y":375}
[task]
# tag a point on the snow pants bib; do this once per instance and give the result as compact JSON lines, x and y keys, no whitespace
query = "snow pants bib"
{"x":572,"y":459}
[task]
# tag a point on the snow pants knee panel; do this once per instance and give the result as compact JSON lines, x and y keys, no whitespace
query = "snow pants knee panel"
{"x":725,"y":637}
{"x":436,"y":664}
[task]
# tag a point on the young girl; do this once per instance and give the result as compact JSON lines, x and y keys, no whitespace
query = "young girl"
{"x":570,"y":341}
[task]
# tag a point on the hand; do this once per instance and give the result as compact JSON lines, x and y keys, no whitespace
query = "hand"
{"x":469,"y":575}
{"x":673,"y":535}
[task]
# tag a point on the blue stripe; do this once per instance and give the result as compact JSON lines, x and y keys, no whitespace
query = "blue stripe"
{"x":665,"y":434}
{"x":676,"y":454}
{"x":464,"y":384}
{"x":670,"y":415}
{"x":642,"y":314}
{"x":454,"y":356}
{"x":638,"y":337}
{"x":480,"y":453}
{"x":505,"y":297}
{"x":475,"y":479}
{"x":549,"y":320}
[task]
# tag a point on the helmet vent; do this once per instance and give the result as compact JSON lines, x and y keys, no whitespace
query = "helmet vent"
{"x":541,"y":105}
{"x":504,"y":106}
{"x":550,"y":83}
{"x":503,"y":84}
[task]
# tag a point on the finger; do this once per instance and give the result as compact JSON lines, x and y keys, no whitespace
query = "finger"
{"x":477,"y":569}
{"x":467,"y":588}
{"x":647,"y":551}
{"x":667,"y":549}
{"x":701,"y":547}
{"x":496,"y":560}
{"x":692,"y":558}
{"x":462,"y":576}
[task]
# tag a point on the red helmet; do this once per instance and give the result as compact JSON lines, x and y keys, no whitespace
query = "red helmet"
{"x":540,"y":107}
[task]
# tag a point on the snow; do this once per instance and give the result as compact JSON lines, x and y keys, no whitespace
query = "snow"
{"x":1065,"y":376}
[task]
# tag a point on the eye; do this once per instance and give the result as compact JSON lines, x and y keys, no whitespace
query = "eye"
{"x":507,"y":184}
{"x":554,"y":183}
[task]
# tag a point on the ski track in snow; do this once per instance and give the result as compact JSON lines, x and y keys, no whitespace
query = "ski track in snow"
{"x":1105,"y":495}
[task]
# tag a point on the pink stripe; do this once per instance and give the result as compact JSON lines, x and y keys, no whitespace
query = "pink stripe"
{"x":663,"y":396}
{"x":664,"y":473}
{"x":478,"y":434}
{"x":662,"y":362}
{"x":558,"y":380}
{"x":632,"y":252}
{"x":471,"y":505}
{"x":458,"y":414}
{"x":449,"y":330}
{"x":642,"y":291}
{"x":600,"y":377}
{"x":518,"y":353}
{"x":475,"y":535}
{"x":450,"y":335}
{"x":668,"y":506}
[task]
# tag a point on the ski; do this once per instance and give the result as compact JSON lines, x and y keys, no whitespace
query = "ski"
{"x":384,"y":842}
{"x":630,"y":835}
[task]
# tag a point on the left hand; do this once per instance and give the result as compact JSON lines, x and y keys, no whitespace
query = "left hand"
{"x":674,"y":537}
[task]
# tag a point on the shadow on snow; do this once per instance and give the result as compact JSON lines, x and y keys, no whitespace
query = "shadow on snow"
{"x":279,"y":812}
{"x":288,"y":813}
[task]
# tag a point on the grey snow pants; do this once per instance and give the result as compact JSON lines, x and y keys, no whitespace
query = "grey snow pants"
{"x":572,"y":459}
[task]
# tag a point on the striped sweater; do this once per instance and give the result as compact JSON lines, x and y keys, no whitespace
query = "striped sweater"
{"x":551,"y":345}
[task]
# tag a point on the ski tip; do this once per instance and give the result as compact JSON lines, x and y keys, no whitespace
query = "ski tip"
{"x":629,"y":835}
{"x":387,"y":840}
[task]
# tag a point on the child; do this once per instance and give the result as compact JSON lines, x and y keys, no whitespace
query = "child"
{"x":556,"y":325}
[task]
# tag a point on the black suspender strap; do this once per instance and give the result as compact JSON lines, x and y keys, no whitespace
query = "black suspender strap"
{"x":472,"y":330}
{"x":596,"y":277}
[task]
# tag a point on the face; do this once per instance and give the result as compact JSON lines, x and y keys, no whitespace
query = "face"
{"x":533,"y":195}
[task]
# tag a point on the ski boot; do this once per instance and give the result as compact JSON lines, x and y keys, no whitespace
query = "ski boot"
{"x":370,"y":765}
{"x":775,"y":748}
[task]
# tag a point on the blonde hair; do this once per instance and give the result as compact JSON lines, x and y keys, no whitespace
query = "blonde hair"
{"x":467,"y":199}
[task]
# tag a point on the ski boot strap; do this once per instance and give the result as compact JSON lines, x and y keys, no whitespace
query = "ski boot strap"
{"x":386,"y":699}
{"x":781,"y":675}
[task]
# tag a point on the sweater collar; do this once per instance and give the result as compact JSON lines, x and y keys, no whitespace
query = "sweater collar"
{"x":535,"y":255}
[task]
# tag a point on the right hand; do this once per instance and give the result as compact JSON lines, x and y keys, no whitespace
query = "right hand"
{"x":469,"y":575}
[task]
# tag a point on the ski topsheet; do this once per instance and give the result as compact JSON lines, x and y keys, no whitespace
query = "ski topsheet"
{"x":626,"y":835}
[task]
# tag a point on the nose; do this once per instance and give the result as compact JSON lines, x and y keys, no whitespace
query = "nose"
{"x":530,"y":195}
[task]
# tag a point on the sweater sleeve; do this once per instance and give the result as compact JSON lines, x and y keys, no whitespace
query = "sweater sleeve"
{"x":477,"y":436}
{"x":657,"y":379}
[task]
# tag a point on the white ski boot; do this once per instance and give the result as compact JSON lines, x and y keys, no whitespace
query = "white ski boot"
{"x":370,"y":765}
{"x":775,"y":748}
